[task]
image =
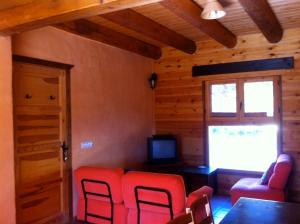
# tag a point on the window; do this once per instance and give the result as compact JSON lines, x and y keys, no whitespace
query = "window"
{"x":264,"y":92}
{"x":242,"y":118}
{"x":223,"y":94}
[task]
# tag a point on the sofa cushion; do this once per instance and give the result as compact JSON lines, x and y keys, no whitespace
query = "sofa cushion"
{"x":172,"y":183}
{"x":267,"y":174}
{"x":112,"y":176}
{"x":251,"y":188}
{"x":281,"y":172}
{"x":148,"y":217}
{"x":101,"y":208}
{"x":205,"y":190}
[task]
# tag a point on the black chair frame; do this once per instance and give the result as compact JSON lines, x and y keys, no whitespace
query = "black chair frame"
{"x":139,"y":202}
{"x":86,"y":193}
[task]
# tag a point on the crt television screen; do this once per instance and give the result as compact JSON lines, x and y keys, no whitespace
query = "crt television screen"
{"x":164,"y":149}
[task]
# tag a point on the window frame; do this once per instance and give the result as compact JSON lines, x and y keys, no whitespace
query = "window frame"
{"x":241,"y":117}
{"x":276,"y":95}
{"x":220,"y":115}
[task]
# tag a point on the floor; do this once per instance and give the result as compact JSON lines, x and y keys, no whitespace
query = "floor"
{"x":220,"y":207}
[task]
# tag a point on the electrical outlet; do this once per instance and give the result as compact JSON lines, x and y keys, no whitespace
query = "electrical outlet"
{"x":86,"y":145}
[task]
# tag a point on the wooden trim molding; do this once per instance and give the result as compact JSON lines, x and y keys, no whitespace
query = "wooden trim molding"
{"x":244,"y":66}
{"x":42,"y":62}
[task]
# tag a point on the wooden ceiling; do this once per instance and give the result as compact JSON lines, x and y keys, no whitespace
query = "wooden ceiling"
{"x":236,"y":20}
{"x":179,"y":19}
{"x":13,"y":3}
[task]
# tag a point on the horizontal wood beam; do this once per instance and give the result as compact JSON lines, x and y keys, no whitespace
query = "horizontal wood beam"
{"x":262,"y":14}
{"x":49,"y":12}
{"x":146,"y":26}
{"x":108,"y":36}
{"x":244,"y":66}
{"x":191,"y":12}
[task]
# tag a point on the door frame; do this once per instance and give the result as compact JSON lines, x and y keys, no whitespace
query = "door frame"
{"x":67,"y":68}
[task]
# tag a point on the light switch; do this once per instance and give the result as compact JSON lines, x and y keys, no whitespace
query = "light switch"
{"x":86,"y":145}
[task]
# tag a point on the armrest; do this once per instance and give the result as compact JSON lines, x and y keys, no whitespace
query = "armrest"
{"x":205,"y":190}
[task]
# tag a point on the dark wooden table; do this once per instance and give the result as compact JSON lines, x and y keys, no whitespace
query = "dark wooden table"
{"x":255,"y":211}
{"x":198,"y":176}
{"x":194,"y":176}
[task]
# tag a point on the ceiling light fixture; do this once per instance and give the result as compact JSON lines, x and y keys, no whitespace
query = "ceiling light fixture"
{"x":212,"y":10}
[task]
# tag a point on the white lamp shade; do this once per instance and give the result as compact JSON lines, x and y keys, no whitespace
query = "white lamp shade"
{"x":213,"y":10}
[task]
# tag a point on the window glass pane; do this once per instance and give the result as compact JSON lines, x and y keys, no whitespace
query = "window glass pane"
{"x":250,"y":147}
{"x":259,"y":97}
{"x":223,"y":98}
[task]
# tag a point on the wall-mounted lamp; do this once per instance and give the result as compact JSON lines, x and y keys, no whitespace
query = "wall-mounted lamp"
{"x":152,"y":80}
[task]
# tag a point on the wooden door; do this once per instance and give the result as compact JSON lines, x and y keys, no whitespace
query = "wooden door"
{"x":40,"y":127}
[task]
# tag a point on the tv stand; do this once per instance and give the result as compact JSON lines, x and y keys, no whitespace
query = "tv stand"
{"x":194,"y":176}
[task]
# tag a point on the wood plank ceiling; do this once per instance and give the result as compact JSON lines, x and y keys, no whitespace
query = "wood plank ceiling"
{"x":158,"y":23}
{"x":13,"y":3}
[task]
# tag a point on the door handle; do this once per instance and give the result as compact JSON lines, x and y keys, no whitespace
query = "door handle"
{"x":65,"y":151}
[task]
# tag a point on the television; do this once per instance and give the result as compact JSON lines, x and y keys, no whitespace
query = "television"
{"x":162,"y":149}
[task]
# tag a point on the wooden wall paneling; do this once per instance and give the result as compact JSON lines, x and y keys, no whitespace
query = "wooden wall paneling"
{"x":294,"y":182}
{"x":246,"y":49}
{"x":174,"y":71}
{"x":179,"y":111}
{"x":226,"y":180}
{"x":205,"y":99}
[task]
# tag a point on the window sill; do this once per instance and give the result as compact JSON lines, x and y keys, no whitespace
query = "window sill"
{"x":239,"y":172}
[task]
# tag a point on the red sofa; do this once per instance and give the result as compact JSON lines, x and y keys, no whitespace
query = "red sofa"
{"x":145,"y":193}
{"x":274,"y":189}
{"x":100,"y":181}
{"x":148,"y":197}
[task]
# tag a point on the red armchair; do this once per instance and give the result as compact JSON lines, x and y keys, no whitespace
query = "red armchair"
{"x":200,"y":213}
{"x":156,"y":198}
{"x":274,"y":189}
{"x":100,"y":198}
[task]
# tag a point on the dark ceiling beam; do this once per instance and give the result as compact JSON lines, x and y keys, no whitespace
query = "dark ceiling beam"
{"x":105,"y":35}
{"x":191,"y":12}
{"x":146,"y":26}
{"x":42,"y":13}
{"x":262,"y":14}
